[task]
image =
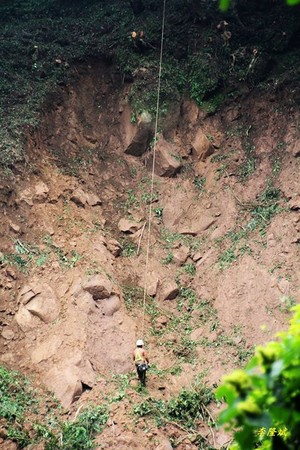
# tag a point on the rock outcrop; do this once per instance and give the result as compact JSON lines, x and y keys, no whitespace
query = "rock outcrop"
{"x":167,"y":161}
{"x":201,"y":146}
{"x":37,"y":301}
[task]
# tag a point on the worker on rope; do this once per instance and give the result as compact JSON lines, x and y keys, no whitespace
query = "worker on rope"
{"x":141,"y":361}
{"x":139,"y":41}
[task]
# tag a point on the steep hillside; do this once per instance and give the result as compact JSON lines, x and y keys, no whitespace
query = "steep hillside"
{"x":223,"y":250}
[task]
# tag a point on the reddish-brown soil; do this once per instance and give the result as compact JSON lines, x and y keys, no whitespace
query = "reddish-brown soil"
{"x":81,"y":144}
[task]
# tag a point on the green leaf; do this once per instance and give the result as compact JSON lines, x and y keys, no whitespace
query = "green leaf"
{"x":224,"y":5}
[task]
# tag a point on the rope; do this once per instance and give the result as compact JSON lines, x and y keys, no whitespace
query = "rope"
{"x":153,"y":162}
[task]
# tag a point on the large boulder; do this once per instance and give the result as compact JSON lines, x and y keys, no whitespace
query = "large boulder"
{"x":99,"y":286}
{"x":168,"y":290}
{"x":140,"y":141}
{"x":201,"y":146}
{"x":36,"y":194}
{"x":114,"y":247}
{"x":68,"y":377}
{"x":37,"y":300}
{"x":167,"y":160}
{"x":46,"y":349}
{"x":180,"y":255}
{"x":82,"y":198}
{"x":79,"y":197}
{"x":129,"y":226}
{"x":138,"y":136}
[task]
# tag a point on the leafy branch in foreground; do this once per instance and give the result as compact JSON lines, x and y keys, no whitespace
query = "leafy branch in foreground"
{"x":263,"y":400}
{"x":224,"y":4}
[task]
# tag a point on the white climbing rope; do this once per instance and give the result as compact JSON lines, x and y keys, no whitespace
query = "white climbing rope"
{"x":153,"y":163}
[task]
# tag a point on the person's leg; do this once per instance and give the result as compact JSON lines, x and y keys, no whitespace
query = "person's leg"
{"x":144,"y":378}
{"x":140,"y":374}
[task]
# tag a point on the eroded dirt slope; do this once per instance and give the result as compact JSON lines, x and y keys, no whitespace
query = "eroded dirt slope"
{"x":224,"y":246}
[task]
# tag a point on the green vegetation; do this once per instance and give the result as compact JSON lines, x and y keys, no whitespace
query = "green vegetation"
{"x":224,"y":4}
{"x":286,"y":303}
{"x":19,"y":411}
{"x":27,"y":255}
{"x":261,"y":213}
{"x":168,"y":259}
{"x":199,"y":183}
{"x":133,"y":296}
{"x":263,"y":400}
{"x":128,"y":248}
{"x":55,"y":38}
{"x":170,"y":238}
{"x":190,"y":268}
{"x":185,"y":409}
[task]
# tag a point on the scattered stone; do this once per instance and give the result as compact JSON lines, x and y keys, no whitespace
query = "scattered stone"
{"x":202,"y":146}
{"x":295,"y":149}
{"x":114,"y":247}
{"x":152,"y":284}
{"x":166,"y":163}
{"x":168,"y":290}
{"x":14,"y":227}
{"x":181,"y":255}
{"x":32,"y":290}
{"x":11,"y":273}
{"x":99,"y":286}
{"x":295,"y":240}
{"x":213,"y":336}
{"x":237,"y":340}
{"x":294,"y":203}
{"x":129,"y":226}
{"x":79,"y":197}
{"x":162,"y":321}
{"x":7,"y":334}
{"x":26,"y":197}
{"x":93,"y":199}
{"x":49,"y":229}
{"x":40,"y":193}
{"x":196,"y":256}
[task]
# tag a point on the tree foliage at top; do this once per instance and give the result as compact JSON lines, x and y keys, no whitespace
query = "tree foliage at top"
{"x":224,"y":4}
